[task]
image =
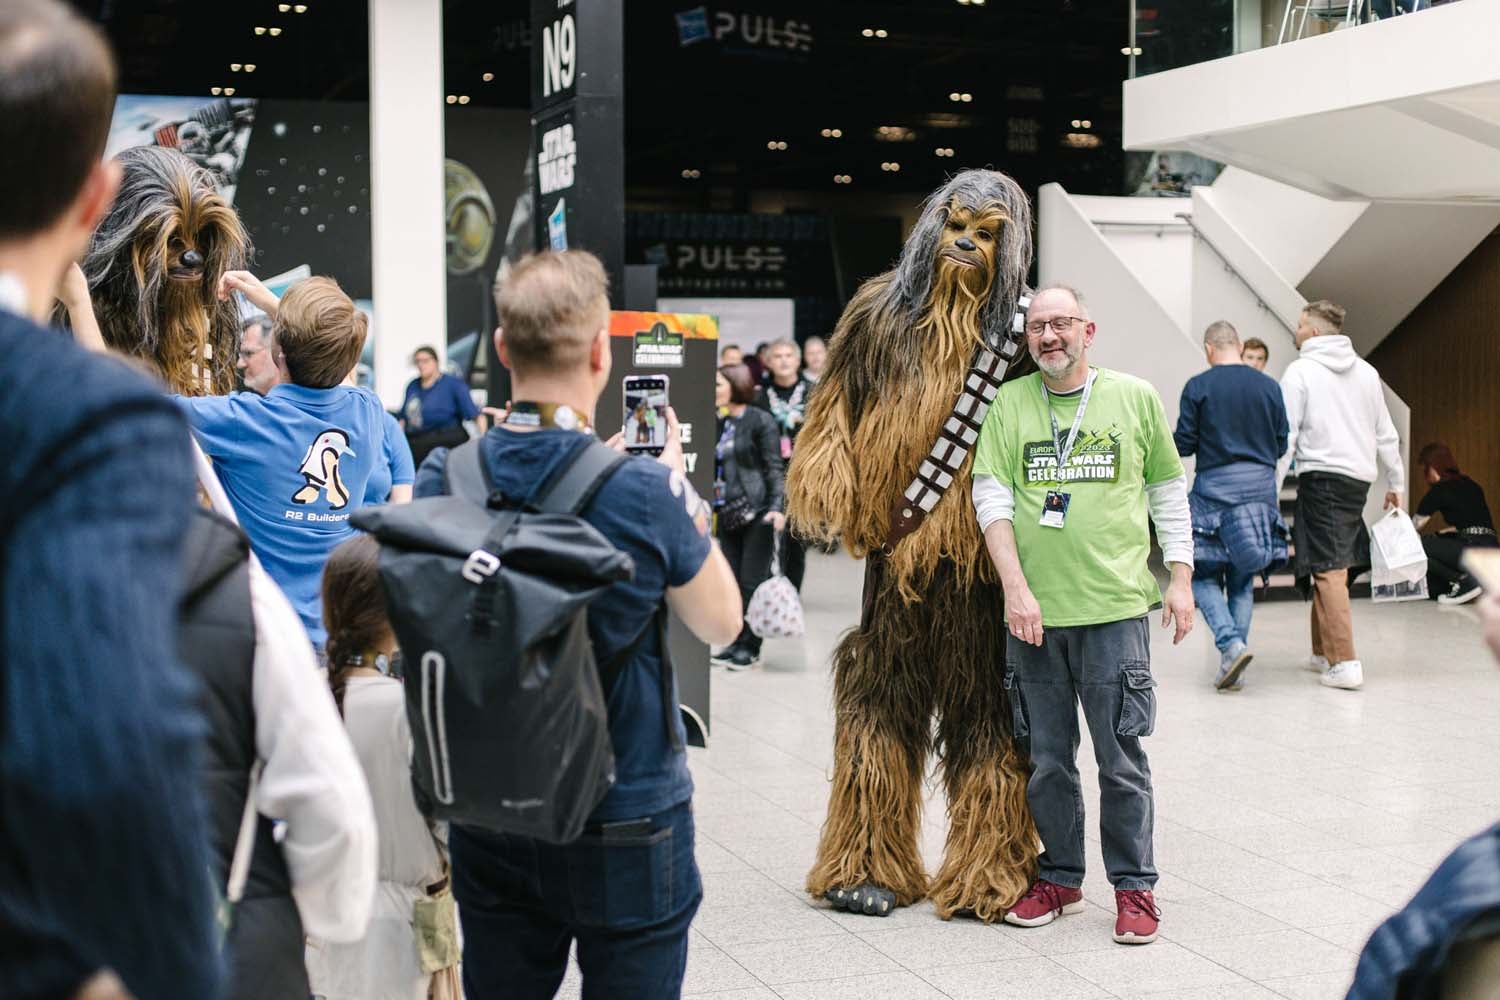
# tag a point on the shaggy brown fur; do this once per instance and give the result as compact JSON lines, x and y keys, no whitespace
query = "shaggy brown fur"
{"x":148,"y":302}
{"x":931,"y":637}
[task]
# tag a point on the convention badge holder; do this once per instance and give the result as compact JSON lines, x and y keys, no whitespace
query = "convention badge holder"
{"x":1055,"y":508}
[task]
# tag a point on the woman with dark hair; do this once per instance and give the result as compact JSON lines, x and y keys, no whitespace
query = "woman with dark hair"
{"x":749,"y":495}
{"x":364,"y":670}
{"x":1461,"y":502}
{"x":436,"y":407}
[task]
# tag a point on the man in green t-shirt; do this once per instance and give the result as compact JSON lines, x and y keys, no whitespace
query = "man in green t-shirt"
{"x":1070,"y":462}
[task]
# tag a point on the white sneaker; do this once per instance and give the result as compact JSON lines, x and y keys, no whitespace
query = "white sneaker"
{"x":1317,"y":664}
{"x":1349,"y":675}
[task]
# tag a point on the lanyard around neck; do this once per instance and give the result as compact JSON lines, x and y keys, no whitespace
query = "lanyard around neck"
{"x":1059,"y":449}
{"x":529,"y":414}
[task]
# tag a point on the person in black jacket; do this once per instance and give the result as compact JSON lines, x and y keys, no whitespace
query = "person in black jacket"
{"x":1461,"y":503}
{"x":749,"y":495}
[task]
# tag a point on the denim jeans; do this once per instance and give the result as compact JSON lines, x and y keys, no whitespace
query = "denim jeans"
{"x":626,"y":892}
{"x":1227,"y":599}
{"x":1107,"y":668}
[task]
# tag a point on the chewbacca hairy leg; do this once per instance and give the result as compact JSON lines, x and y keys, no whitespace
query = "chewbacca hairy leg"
{"x":882,"y":735}
{"x":874,"y":816}
{"x":990,"y":857}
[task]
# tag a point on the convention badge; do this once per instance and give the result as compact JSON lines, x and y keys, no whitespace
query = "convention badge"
{"x":1055,"y":508}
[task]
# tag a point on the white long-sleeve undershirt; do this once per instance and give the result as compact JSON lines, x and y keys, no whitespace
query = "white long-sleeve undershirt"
{"x":1166,"y":501}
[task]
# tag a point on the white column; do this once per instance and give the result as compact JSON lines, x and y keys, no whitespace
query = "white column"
{"x":406,"y":186}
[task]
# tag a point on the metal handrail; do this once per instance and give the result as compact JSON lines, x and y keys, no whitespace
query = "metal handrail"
{"x":1229,"y":266}
{"x":1160,"y":227}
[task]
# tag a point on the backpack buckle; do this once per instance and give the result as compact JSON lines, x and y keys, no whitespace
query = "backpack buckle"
{"x":480,"y":566}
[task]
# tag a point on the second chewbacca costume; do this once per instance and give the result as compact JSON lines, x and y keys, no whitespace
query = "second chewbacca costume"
{"x":931,"y":637}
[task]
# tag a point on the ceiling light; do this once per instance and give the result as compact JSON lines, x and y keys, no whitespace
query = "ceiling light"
{"x":1082,"y":140}
{"x":451,"y":98}
{"x":275,"y":31}
{"x":967,"y":98}
{"x":868,"y":32}
{"x":1128,"y":51}
{"x":488,"y":77}
{"x":692,"y":174}
{"x":777,"y":144}
{"x":249,"y":67}
{"x":955,"y":96}
{"x":463,"y":99}
{"x":881,"y":33}
{"x":300,"y":8}
{"x":235,"y":67}
{"x":1087,"y":123}
{"x":284,"y":7}
{"x":943,"y":151}
{"x":842,"y":179}
{"x":260,"y":29}
{"x":228,"y":91}
{"x":216,"y":91}
{"x":890,"y":166}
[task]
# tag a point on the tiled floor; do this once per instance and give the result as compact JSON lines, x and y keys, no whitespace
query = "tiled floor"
{"x":1291,"y":819}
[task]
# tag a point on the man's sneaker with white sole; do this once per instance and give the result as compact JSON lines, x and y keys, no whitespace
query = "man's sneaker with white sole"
{"x":1043,"y":903}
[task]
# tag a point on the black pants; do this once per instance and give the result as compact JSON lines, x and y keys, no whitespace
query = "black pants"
{"x":749,"y":553}
{"x":424,"y":442}
{"x":1444,"y":559}
{"x":793,"y":559}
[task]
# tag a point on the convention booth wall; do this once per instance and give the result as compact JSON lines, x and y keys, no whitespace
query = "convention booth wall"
{"x":685,"y":348}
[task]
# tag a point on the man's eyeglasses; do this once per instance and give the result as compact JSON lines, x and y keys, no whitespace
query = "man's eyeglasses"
{"x":1059,"y":324}
{"x":246,"y":355}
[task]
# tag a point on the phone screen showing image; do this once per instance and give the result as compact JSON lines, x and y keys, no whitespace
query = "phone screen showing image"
{"x":646,"y":403}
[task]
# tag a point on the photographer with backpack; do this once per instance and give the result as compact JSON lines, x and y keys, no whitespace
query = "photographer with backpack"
{"x":626,"y":888}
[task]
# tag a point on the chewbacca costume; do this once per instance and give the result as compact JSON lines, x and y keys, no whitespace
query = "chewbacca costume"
{"x":154,"y":265}
{"x":931,"y":637}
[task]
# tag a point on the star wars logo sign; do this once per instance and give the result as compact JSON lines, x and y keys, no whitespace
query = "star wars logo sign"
{"x":558,"y":158}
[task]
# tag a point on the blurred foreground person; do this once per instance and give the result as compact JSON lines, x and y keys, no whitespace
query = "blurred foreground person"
{"x":1445,"y":943}
{"x":103,"y":837}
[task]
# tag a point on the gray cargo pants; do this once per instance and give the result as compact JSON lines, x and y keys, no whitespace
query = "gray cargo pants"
{"x":1107,"y":668}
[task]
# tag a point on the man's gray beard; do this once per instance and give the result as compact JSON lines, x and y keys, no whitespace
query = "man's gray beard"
{"x":1055,"y":371}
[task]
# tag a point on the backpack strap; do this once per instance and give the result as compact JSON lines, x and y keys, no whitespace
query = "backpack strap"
{"x":465,"y":474}
{"x":610,"y":670}
{"x":575,"y":484}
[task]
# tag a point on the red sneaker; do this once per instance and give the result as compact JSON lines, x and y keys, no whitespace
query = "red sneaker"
{"x":1043,"y":903}
{"x":1138,"y":916}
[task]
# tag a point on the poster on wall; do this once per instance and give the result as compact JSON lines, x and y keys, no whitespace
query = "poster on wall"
{"x":212,"y":132}
{"x":684,"y":349}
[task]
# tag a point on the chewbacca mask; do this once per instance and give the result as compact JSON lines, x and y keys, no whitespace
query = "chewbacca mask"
{"x":154,"y":266}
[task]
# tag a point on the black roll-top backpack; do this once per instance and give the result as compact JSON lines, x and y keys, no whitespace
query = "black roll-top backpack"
{"x":489,"y":601}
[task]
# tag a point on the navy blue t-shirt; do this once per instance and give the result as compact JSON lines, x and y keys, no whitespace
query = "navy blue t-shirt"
{"x":445,"y":403}
{"x":652,"y":515}
{"x":1231,"y":413}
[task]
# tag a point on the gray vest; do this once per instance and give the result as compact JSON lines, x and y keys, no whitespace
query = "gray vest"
{"x":216,"y":640}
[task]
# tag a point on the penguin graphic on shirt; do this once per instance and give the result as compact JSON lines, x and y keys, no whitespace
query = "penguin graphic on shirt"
{"x":320,"y":467}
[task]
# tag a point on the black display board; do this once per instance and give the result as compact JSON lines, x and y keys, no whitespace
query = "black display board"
{"x":578,"y":131}
{"x":685,"y":348}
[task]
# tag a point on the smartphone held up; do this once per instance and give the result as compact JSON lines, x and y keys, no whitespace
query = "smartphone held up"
{"x":646,"y":401}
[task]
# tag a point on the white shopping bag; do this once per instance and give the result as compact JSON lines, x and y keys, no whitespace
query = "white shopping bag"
{"x":1398,"y":563}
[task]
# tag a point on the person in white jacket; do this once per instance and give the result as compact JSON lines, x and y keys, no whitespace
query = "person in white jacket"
{"x":1342,"y":439}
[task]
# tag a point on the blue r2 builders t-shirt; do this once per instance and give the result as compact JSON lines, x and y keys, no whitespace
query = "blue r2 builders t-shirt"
{"x":295,"y":463}
{"x":653,"y":516}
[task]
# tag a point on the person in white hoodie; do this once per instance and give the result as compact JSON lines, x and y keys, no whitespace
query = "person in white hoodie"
{"x":1341,"y":438}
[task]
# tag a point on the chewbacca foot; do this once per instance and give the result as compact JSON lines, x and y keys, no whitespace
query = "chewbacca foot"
{"x":868,"y":899}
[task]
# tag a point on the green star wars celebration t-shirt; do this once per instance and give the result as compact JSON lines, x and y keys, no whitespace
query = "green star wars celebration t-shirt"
{"x":1093,"y":569}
